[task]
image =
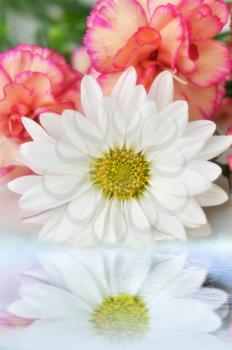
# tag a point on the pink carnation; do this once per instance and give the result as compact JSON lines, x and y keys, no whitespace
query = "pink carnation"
{"x":156,"y":35}
{"x":33,"y":80}
{"x":229,"y":132}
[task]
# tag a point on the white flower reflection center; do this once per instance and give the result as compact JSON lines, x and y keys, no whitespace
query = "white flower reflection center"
{"x":121,"y":174}
{"x":123,"y":316}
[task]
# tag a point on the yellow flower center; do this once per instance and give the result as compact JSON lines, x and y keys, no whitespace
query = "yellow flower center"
{"x":121,"y":174}
{"x":122,"y":316}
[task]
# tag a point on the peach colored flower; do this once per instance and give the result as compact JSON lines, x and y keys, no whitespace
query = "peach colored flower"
{"x":32,"y":80}
{"x":80,"y":60}
{"x":156,"y":35}
{"x":9,"y":168}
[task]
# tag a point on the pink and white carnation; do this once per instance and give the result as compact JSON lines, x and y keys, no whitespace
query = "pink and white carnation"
{"x":33,"y":80}
{"x":157,"y":35}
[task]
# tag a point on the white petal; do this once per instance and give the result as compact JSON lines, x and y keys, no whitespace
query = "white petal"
{"x":57,"y":335}
{"x":201,"y":231}
{"x":168,"y":162}
{"x":196,"y":318}
{"x":39,"y":217}
{"x":213,"y":297}
{"x":46,"y":157}
{"x":170,"y":226}
{"x":58,"y":228}
{"x":41,"y":300}
{"x":169,"y":201}
{"x":214,"y":196}
{"x":51,"y":123}
{"x":119,"y":124}
{"x":125,"y":85}
{"x":109,"y":227}
{"x":208,"y":169}
{"x":24,"y":183}
{"x":70,"y":120}
{"x":106,"y":118}
{"x":188,"y":146}
{"x":103,"y":119}
{"x":188,"y":183}
{"x":35,"y":131}
{"x":148,"y":131}
{"x":64,"y":231}
{"x":136,"y":272}
{"x":149,"y":110}
{"x":135,"y":110}
{"x":162,"y":90}
{"x":142,"y":216}
{"x":80,"y":280}
{"x":200,"y":129}
{"x":177,"y":113}
{"x":162,"y":274}
{"x":91,"y":97}
{"x":81,"y":210}
{"x":85,"y":127}
{"x":172,"y":118}
{"x":139,"y":98}
{"x":187,"y":283}
{"x":191,"y":214}
{"x":114,"y":269}
{"x":214,"y":147}
{"x":51,"y":192}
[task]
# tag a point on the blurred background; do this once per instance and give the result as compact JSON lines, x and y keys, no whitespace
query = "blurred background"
{"x":58,"y":24}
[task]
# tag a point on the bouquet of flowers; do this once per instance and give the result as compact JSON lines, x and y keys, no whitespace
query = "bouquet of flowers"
{"x":113,"y":131}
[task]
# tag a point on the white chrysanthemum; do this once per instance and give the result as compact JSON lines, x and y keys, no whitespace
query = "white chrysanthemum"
{"x":117,"y":300}
{"x":132,"y":168}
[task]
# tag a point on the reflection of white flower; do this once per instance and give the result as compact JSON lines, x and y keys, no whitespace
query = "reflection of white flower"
{"x":132,"y":168}
{"x":118,"y":300}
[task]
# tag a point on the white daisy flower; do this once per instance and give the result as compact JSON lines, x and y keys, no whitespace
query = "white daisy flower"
{"x":130,"y":168}
{"x":117,"y":300}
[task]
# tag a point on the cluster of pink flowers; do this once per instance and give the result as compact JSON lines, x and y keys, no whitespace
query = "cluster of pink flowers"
{"x":33,"y":80}
{"x":151,"y":35}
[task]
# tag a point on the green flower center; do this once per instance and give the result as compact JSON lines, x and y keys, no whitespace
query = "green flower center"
{"x":121,"y":174}
{"x":121,"y":317}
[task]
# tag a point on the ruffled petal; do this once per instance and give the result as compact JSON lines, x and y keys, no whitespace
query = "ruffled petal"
{"x":153,"y":4}
{"x":111,"y":24}
{"x":145,"y":41}
{"x":203,"y":102}
{"x":15,"y":61}
{"x":219,"y":8}
{"x":206,"y":75}
{"x":169,"y":23}
{"x":205,"y":27}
